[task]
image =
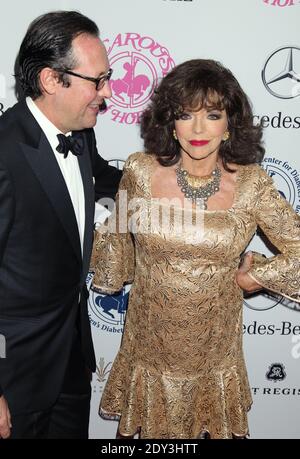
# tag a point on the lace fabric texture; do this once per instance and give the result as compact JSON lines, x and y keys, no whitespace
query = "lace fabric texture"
{"x":180,"y":370}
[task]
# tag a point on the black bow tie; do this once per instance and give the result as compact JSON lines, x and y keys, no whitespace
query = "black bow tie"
{"x":70,"y":143}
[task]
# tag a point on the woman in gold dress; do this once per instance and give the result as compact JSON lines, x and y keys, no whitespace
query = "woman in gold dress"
{"x":186,"y":211}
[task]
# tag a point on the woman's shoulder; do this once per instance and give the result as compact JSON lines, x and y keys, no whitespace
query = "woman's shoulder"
{"x":254,"y":180}
{"x":139,"y":161}
{"x":253,"y":173}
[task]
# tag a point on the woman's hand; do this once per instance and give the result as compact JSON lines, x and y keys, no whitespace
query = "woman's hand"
{"x":242,"y":277}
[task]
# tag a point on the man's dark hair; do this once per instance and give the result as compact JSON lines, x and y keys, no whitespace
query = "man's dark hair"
{"x":196,"y":84}
{"x":48,"y":43}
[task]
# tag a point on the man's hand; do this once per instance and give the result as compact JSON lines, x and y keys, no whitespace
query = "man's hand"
{"x":242,"y":277}
{"x":5,"y":423}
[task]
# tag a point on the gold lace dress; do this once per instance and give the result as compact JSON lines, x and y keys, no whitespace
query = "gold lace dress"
{"x":180,"y":369}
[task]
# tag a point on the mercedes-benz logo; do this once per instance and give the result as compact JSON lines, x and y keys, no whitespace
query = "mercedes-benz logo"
{"x":262,"y":302}
{"x":281,"y":72}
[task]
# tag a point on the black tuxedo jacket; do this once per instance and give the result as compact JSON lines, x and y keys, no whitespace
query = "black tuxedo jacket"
{"x":42,"y":269}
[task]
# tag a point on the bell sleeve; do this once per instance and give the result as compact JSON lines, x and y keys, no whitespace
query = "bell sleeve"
{"x":281,"y":224}
{"x":113,"y":256}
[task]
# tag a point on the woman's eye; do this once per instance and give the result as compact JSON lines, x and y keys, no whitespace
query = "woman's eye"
{"x":185,"y":116}
{"x":214,"y":116}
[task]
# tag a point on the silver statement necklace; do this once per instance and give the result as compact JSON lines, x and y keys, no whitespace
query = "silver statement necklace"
{"x":198,"y":189}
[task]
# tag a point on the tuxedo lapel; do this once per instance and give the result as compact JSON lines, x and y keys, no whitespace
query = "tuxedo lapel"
{"x":87,"y":180}
{"x":44,"y":165}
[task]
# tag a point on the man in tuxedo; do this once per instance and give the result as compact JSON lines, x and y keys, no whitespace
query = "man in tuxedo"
{"x":50,"y":177}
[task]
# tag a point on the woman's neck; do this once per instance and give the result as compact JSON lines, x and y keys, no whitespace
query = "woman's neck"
{"x":199,"y":167}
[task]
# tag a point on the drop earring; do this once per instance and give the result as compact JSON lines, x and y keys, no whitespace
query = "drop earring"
{"x":175,"y":135}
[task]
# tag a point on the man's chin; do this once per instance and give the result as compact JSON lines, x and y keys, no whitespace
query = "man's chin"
{"x":89,"y":123}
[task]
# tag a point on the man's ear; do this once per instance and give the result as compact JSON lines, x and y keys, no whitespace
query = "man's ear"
{"x":49,"y":80}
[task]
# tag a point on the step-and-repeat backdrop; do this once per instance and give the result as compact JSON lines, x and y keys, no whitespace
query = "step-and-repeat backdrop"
{"x":259,"y":41}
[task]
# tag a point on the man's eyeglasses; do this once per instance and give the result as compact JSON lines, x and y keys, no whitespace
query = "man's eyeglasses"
{"x":99,"y":82}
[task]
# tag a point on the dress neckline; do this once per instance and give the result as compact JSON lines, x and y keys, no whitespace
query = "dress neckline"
{"x":239,"y":173}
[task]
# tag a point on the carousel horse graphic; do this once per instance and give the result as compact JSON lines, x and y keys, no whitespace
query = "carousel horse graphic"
{"x":130,"y":85}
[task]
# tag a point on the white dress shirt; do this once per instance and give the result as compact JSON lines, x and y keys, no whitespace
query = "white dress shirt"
{"x":69,"y":166}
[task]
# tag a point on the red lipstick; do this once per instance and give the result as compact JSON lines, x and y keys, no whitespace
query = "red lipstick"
{"x":198,"y":143}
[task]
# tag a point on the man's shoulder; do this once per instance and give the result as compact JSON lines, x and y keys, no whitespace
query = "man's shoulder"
{"x":6,"y":119}
{"x":8,"y":129}
{"x":10,"y":119}
{"x":12,"y":130}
